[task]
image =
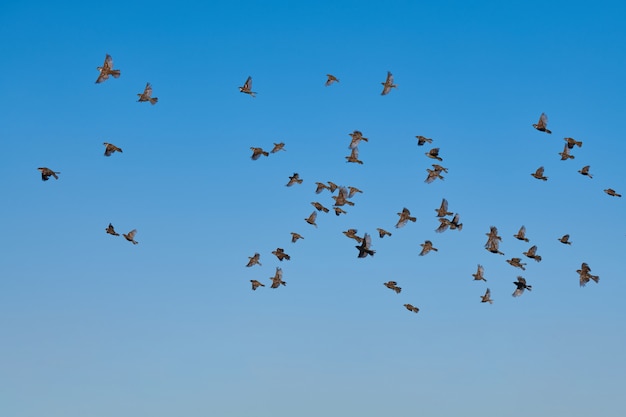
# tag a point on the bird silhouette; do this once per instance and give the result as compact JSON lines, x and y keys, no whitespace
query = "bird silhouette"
{"x":254,"y":260}
{"x":353,"y":191}
{"x":256,"y":284}
{"x":585,"y":171}
{"x":295,"y":236}
{"x":427,"y":246}
{"x":109,"y":149}
{"x":47,"y":173}
{"x":277,"y":279}
{"x":539,"y":174}
{"x":565,"y":240}
{"x":521,"y":286}
{"x":330,"y":79}
{"x":311,"y":218}
{"x":351,"y":233}
{"x":257,"y":152}
{"x":280,"y":254}
{"x":365,"y":247}
{"x":321,"y":187}
{"x":585,"y":276}
{"x":339,"y":210}
{"x":609,"y":191}
{"x":319,"y":207}
{"x":382,"y":232}
{"x":531,"y":253}
{"x":516,"y":262}
{"x":434,"y":154}
{"x":565,"y":155}
{"x":572,"y":142}
{"x":111,"y":230}
{"x":357,"y":137}
{"x":354,"y":157}
{"x":278,"y":147}
{"x":442,"y":211}
{"x":131,"y":236}
{"x":421,"y":140}
{"x":332,"y":186}
{"x":295,"y":178}
{"x":412,"y":308}
{"x":521,"y":234}
{"x":542,"y":124}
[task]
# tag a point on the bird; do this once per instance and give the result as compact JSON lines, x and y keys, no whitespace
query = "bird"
{"x":332,"y":186}
{"x":147,"y":95}
{"x":442,"y":211}
{"x":427,"y":246}
{"x":542,"y":124}
{"x":256,"y":284}
{"x":405,"y":216}
{"x":295,"y":236}
{"x":516,"y":262}
{"x":454,"y":223}
{"x":609,"y":191}
{"x":585,"y":276}
{"x":47,"y":173}
{"x":131,"y":236}
{"x":439,"y":168}
{"x":521,"y":234}
{"x":321,"y":187}
{"x":342,"y":197}
{"x":339,"y":210}
{"x":521,"y":286}
{"x":247,"y":87}
{"x":111,"y":230}
{"x":444,"y":224}
{"x":353,"y":191}
{"x":565,"y":155}
{"x":295,"y":178}
{"x":539,"y":174}
{"x":571,"y":142}
{"x":357,"y":137}
{"x":392,"y":285}
{"x":280,"y":254}
{"x":493,"y":247}
{"x":109,"y":149}
{"x":254,"y":260}
{"x":478,"y":276}
{"x":410,"y":307}
{"x":585,"y":171}
{"x":319,"y":207}
{"x":365,"y":247}
{"x":277,"y":279}
{"x":311,"y":218}
{"x":433,"y":174}
{"x":492,"y":236}
{"x":257,"y":152}
{"x":331,"y":79}
{"x":531,"y":253}
{"x":107,"y":69}
{"x":421,"y":140}
{"x":278,"y":147}
{"x":388,"y":84}
{"x":434,"y":154}
{"x":351,"y":233}
{"x":354,"y":157}
{"x":565,"y":240}
{"x":382,"y":232}
{"x":487,"y":297}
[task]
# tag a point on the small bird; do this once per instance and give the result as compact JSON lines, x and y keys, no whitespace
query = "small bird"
{"x":492,"y":236}
{"x":439,"y":168}
{"x":531,"y":253}
{"x":427,"y":246}
{"x":433,"y":175}
{"x":131,"y":236}
{"x":454,"y":223}
{"x":388,"y":84}
{"x":351,"y":233}
{"x":365,"y":247}
{"x":295,"y":236}
{"x":109,"y":149}
{"x":585,"y":171}
{"x":278,"y":147}
{"x":493,"y":247}
{"x":295,"y":178}
{"x":585,"y":276}
{"x":277,"y":279}
{"x":539,"y":174}
{"x":147,"y":95}
{"x":542,"y":124}
{"x":319,"y":207}
{"x":434,"y":154}
{"x":565,"y":240}
{"x":311,"y":218}
{"x":410,"y":307}
{"x":339,"y":210}
{"x":107,"y":69}
{"x":572,"y":142}
{"x":442,"y":211}
{"x":321,"y":187}
{"x":256,"y":284}
{"x":516,"y":262}
{"x":110,"y":230}
{"x":609,"y":191}
{"x":331,"y":79}
{"x":353,"y":191}
{"x":478,"y":276}
{"x":382,"y":232}
{"x":392,"y":285}
{"x":332,"y":186}
{"x":257,"y":152}
{"x":280,"y":254}
{"x":342,"y":197}
{"x":405,"y":216}
{"x":565,"y":155}
{"x":357,"y":137}
{"x":247,"y":87}
{"x":421,"y":140}
{"x":487,"y":297}
{"x":254,"y":260}
{"x":354,"y":157}
{"x":443,"y":225}
{"x":47,"y":173}
{"x":521,"y":286}
{"x":521,"y":234}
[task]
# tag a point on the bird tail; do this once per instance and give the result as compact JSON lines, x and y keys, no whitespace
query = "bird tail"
{"x":460,"y":227}
{"x":595,"y":278}
{"x":266,"y":153}
{"x":115,"y":73}
{"x":548,"y":131}
{"x":397,"y":290}
{"x":54,"y":174}
{"x":538,"y":258}
{"x":154,"y":100}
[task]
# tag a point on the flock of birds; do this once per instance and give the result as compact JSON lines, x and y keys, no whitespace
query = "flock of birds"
{"x":344,"y":194}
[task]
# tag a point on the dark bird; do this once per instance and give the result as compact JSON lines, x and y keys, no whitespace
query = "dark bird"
{"x":257,"y":152}
{"x":280,"y":254}
{"x":319,"y":207}
{"x":487,"y":297}
{"x":433,"y":174}
{"x":278,"y":147}
{"x":388,"y":84}
{"x":572,"y":142}
{"x":342,"y":197}
{"x":585,"y":171}
{"x":539,"y":174}
{"x":442,"y":211}
{"x":516,"y":262}
{"x":110,"y":230}
{"x":354,"y":157}
{"x":331,"y":79}
{"x":382,"y":232}
{"x":254,"y":260}
{"x":147,"y":95}
{"x":256,"y":284}
{"x":585,"y":276}
{"x":521,"y":234}
{"x":321,"y":187}
{"x":542,"y":124}
{"x":609,"y":191}
{"x":109,"y":149}
{"x":365,"y":247}
{"x":107,"y":69}
{"x":277,"y":279}
{"x":493,"y":235}
{"x":295,"y":236}
{"x":311,"y":218}
{"x":357,"y":137}
{"x":410,"y":307}
{"x":421,"y":140}
{"x":351,"y":233}
{"x":332,"y":186}
{"x":339,"y":210}
{"x":434,"y":154}
{"x":454,"y":223}
{"x":131,"y":236}
{"x":392,"y":285}
{"x":478,"y":276}
{"x":427,"y":246}
{"x":353,"y":191}
{"x":521,"y":286}
{"x":439,"y":168}
{"x":493,"y":247}
{"x":565,"y":154}
{"x":47,"y":173}
{"x":444,"y":224}
{"x":531,"y":253}
{"x":295,"y":178}
{"x":247,"y":87}
{"x":565,"y":240}
{"x":405,"y":216}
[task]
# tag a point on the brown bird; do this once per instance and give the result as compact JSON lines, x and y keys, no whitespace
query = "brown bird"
{"x":254,"y":260}
{"x":531,"y":253}
{"x":492,"y":236}
{"x":439,"y":168}
{"x":433,"y":175}
{"x":427,"y":246}
{"x":521,"y":286}
{"x":110,"y":230}
{"x":609,"y":191}
{"x":351,"y":233}
{"x":353,"y":191}
{"x":493,"y":247}
{"x":565,"y":154}
{"x":107,"y":69}
{"x":278,"y":147}
{"x":256,"y":284}
{"x":454,"y":223}
{"x":516,"y":262}
{"x":478,"y":276}
{"x":365,"y":247}
{"x":247,"y":87}
{"x":410,"y":307}
{"x":434,"y":154}
{"x":405,"y":216}
{"x":47,"y":173}
{"x":388,"y":84}
{"x":131,"y":236}
{"x":277,"y":279}
{"x":585,"y":171}
{"x":382,"y":232}
{"x":109,"y":149}
{"x":487,"y":297}
{"x":539,"y":174}
{"x":339,"y":210}
{"x":147,"y":95}
{"x":585,"y":276}
{"x":421,"y":140}
{"x":332,"y":186}
{"x":354,"y":157}
{"x":321,"y":187}
{"x":257,"y":152}
{"x":565,"y":240}
{"x":442,"y":211}
{"x":331,"y":79}
{"x":572,"y":142}
{"x":342,"y":197}
{"x":542,"y":124}
{"x":521,"y":235}
{"x":392,"y":285}
{"x":311,"y":218}
{"x":319,"y":207}
{"x":280,"y":254}
{"x":295,"y":178}
{"x":443,"y":225}
{"x":357,"y":137}
{"x":295,"y":236}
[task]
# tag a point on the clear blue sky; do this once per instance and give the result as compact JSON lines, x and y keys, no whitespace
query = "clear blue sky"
{"x":93,"y":326}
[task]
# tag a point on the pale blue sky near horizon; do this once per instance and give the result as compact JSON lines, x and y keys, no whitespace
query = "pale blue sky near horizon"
{"x":93,"y":326}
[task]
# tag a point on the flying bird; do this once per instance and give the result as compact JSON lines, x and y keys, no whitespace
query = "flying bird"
{"x":147,"y":95}
{"x":393,"y":285}
{"x":351,"y":233}
{"x":295,"y":236}
{"x":254,"y":260}
{"x":111,"y":230}
{"x":542,"y":124}
{"x":331,"y":79}
{"x":572,"y":142}
{"x":278,"y":147}
{"x":342,"y":197}
{"x":321,"y":187}
{"x":487,"y":297}
{"x":410,"y":307}
{"x":521,"y":286}
{"x":256,"y":284}
{"x":382,"y":232}
{"x":47,"y":173}
{"x":521,"y":234}
{"x":565,"y":155}
{"x":434,"y":154}
{"x":131,"y":236}
{"x":280,"y":254}
{"x":585,"y":276}
{"x":354,"y":157}
{"x":332,"y":186}
{"x":609,"y":191}
{"x":277,"y":279}
{"x":585,"y":171}
{"x":357,"y":137}
{"x":247,"y":87}
{"x":454,"y":223}
{"x":478,"y":276}
{"x":365,"y":247}
{"x":295,"y":178}
{"x":311,"y":218}
{"x":493,"y":247}
{"x":427,"y":246}
{"x":405,"y":216}
{"x":319,"y":207}
{"x":433,"y":174}
{"x":257,"y":152}
{"x":565,"y":240}
{"x":388,"y":84}
{"x":339,"y":210}
{"x":539,"y":174}
{"x":107,"y":69}
{"x":442,"y":211}
{"x":109,"y":149}
{"x":353,"y":191}
{"x":516,"y":262}
{"x":531,"y":253}
{"x":421,"y":140}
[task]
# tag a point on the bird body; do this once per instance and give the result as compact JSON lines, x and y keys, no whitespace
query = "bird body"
{"x":257,"y":152}
{"x":311,"y":218}
{"x":478,"y":276}
{"x":277,"y":279}
{"x":421,"y":140}
{"x":254,"y":260}
{"x":609,"y":191}
{"x":412,"y":308}
{"x":405,"y":216}
{"x":521,"y":286}
{"x":521,"y":234}
{"x":131,"y":236}
{"x":295,"y":236}
{"x":109,"y":149}
{"x":516,"y":262}
{"x":382,"y":232}
{"x":319,"y":207}
{"x":585,"y":171}
{"x":147,"y":95}
{"x":442,"y":211}
{"x":531,"y":253}
{"x":393,"y":285}
{"x":365,"y":247}
{"x":294,"y":179}
{"x":246,"y":88}
{"x":107,"y":69}
{"x":280,"y":254}
{"x":427,"y":246}
{"x":111,"y":230}
{"x":565,"y":240}
{"x":256,"y":284}
{"x":388,"y":84}
{"x":278,"y":147}
{"x":542,"y":124}
{"x":47,"y":173}
{"x":330,"y":79}
{"x":539,"y":174}
{"x":487,"y":297}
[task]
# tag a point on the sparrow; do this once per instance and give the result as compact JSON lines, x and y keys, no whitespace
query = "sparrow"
{"x":354,"y":157}
{"x":332,"y":186}
{"x":109,"y":149}
{"x":585,"y":276}
{"x":353,"y":191}
{"x":277,"y":279}
{"x":487,"y":297}
{"x":107,"y":69}
{"x":280,"y":254}
{"x":442,"y":211}
{"x":411,"y":308}
{"x":254,"y":260}
{"x":339,"y":210}
{"x":427,"y":246}
{"x":256,"y":284}
{"x":357,"y":137}
{"x":405,"y":216}
{"x":565,"y":240}
{"x":572,"y":142}
{"x":521,"y":286}
{"x":531,"y":253}
{"x":247,"y":87}
{"x":542,"y":124}
{"x":609,"y":191}
{"x":382,"y":232}
{"x":388,"y":84}
{"x":131,"y":236}
{"x":147,"y":95}
{"x":257,"y":152}
{"x":319,"y":207}
{"x":392,"y":285}
{"x":565,"y":155}
{"x":110,"y":230}
{"x":331,"y":79}
{"x":434,"y":154}
{"x":278,"y":147}
{"x":351,"y":233}
{"x":321,"y":187}
{"x":364,"y":247}
{"x":516,"y":262}
{"x":585,"y":171}
{"x":295,"y":236}
{"x":295,"y":178}
{"x":311,"y":218}
{"x":539,"y":174}
{"x":478,"y":276}
{"x":47,"y":173}
{"x":421,"y":140}
{"x":521,"y":235}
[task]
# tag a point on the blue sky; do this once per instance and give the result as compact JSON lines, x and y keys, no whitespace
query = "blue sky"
{"x":95,"y":326}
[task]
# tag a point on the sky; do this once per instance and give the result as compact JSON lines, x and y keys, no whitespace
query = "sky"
{"x":94,"y":326}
